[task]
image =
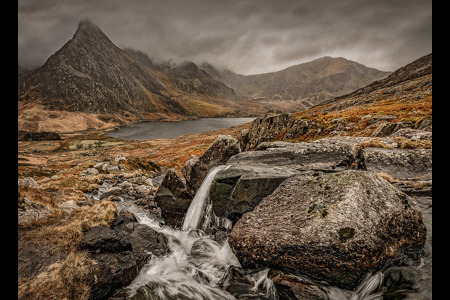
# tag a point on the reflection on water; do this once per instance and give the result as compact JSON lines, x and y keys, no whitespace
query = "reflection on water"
{"x":166,"y":130}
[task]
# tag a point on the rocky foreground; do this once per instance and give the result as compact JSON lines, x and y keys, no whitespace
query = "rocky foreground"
{"x":324,"y":193}
{"x":334,"y":208}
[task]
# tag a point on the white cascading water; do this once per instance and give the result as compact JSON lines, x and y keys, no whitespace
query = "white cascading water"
{"x":196,"y":262}
{"x":199,"y":205}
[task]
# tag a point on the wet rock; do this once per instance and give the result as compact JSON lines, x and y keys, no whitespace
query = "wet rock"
{"x":335,"y":226}
{"x":240,"y":188}
{"x":101,"y":239}
{"x":218,"y":153}
{"x":113,"y":191}
{"x":173,"y":198}
{"x":292,"y":287}
{"x":237,"y":283}
{"x":119,"y":253}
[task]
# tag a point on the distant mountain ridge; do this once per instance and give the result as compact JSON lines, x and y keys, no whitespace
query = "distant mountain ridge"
{"x":309,"y":83}
{"x":90,"y":83}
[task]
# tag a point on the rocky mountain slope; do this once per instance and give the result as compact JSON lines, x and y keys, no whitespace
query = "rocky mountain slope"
{"x":309,"y":83}
{"x":90,"y":74}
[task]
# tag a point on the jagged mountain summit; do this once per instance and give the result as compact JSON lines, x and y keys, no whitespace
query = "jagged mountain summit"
{"x":308,"y":83}
{"x":91,"y":75}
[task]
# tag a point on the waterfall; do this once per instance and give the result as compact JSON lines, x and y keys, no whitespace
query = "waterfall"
{"x":199,"y":205}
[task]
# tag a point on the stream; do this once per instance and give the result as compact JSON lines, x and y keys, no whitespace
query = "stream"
{"x":199,"y":267}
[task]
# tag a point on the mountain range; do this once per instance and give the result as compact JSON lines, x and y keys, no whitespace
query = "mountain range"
{"x":90,"y":83}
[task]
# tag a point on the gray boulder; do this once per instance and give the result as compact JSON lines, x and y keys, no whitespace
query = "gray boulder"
{"x":120,"y":252}
{"x":218,"y":153}
{"x":326,"y":154}
{"x":404,"y":164}
{"x":173,"y":198}
{"x":267,"y":128}
{"x":240,"y":188}
{"x":336,"y":227}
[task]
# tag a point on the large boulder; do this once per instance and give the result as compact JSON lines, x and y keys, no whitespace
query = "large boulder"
{"x":403,"y":164}
{"x":336,"y":227}
{"x":268,"y":128}
{"x":239,"y":188}
{"x":173,"y":198}
{"x":196,"y":169}
{"x":330,"y":154}
{"x":119,"y":253}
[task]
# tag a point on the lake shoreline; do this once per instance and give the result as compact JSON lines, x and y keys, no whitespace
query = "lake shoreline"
{"x":145,"y":130}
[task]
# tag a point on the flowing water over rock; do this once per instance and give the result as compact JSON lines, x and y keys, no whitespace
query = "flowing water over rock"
{"x":200,"y":267}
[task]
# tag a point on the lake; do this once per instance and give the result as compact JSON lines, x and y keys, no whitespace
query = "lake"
{"x":148,"y":130}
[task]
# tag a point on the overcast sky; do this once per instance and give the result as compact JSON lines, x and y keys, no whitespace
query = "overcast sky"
{"x":248,"y":37}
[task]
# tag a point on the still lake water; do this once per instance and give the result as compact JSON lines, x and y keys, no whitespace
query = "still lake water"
{"x":165,"y":130}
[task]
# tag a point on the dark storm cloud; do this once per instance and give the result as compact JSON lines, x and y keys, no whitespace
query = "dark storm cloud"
{"x":250,"y":36}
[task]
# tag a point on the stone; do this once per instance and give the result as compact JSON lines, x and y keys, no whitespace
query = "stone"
{"x":28,"y":181}
{"x":403,"y":164}
{"x":30,"y":211}
{"x":335,"y":227}
{"x":68,"y":205}
{"x":101,"y":239}
{"x":385,"y":129}
{"x":91,"y":172}
{"x":119,"y":253}
{"x":223,"y":147}
{"x":329,"y":154}
{"x":240,"y":188}
{"x":173,"y":198}
{"x":292,"y":287}
{"x":268,"y":128}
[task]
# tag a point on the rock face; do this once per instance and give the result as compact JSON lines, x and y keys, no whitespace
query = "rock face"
{"x":267,"y":128}
{"x":238,"y":189}
{"x":253,"y":175}
{"x":173,"y":198}
{"x":196,"y":169}
{"x":120,"y":252}
{"x":399,"y":163}
{"x":335,"y":227}
{"x":331,"y":154}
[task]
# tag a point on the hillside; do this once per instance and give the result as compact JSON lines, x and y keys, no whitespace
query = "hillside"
{"x":308,"y":83}
{"x":91,"y":83}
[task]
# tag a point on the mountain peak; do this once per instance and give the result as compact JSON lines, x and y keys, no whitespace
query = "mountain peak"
{"x":87,"y":29}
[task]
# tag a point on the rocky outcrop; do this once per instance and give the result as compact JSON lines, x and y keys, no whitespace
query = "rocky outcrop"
{"x":120,"y":252}
{"x":267,"y":128}
{"x":335,"y":227}
{"x":196,"y":169}
{"x":330,"y":154}
{"x":173,"y":198}
{"x":238,"y":189}
{"x":39,"y":136}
